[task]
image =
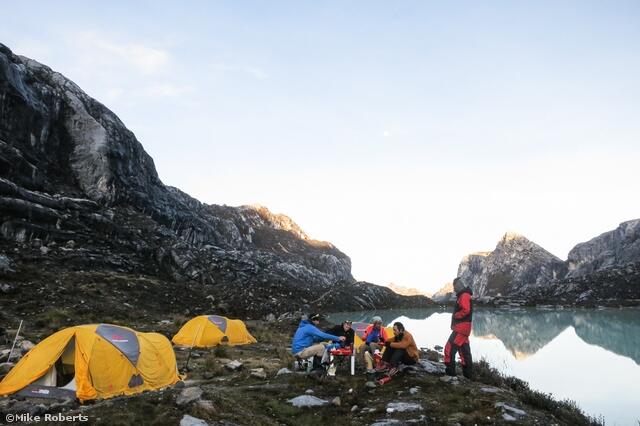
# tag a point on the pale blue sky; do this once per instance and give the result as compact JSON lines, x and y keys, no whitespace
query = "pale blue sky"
{"x":408,"y":134}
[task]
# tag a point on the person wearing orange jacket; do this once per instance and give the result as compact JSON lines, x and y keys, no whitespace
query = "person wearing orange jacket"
{"x":401,"y":349}
{"x":461,"y":330}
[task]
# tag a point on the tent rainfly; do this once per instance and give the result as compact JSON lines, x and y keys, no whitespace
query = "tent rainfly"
{"x":206,"y":331}
{"x":93,"y":361}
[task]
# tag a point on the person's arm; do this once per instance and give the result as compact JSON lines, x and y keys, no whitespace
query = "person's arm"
{"x":465,"y":305}
{"x":365,"y":335}
{"x":402,"y":344}
{"x":322,"y":335}
{"x":333,"y":330}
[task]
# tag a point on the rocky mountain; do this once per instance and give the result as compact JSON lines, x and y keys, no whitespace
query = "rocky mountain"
{"x":515,"y":264}
{"x":445,"y":294}
{"x":405,"y":291}
{"x":612,"y":249}
{"x":603,"y":270}
{"x":86,"y":222}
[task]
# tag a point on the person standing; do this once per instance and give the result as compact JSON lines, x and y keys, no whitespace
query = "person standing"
{"x":461,"y":330}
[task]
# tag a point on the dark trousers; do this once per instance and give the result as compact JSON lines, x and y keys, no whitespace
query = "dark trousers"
{"x":458,"y":344}
{"x":395,"y":356}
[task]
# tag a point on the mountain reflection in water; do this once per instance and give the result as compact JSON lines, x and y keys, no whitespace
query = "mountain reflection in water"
{"x":525,"y":331}
{"x":589,"y":356}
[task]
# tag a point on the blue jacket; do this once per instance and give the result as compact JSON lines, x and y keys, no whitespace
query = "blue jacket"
{"x":307,"y":334}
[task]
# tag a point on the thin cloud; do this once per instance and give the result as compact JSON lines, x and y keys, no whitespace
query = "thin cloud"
{"x":145,"y":59}
{"x":253,"y":72}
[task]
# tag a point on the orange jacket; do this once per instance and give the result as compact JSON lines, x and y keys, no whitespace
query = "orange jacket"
{"x":408,"y":344}
{"x":383,"y":333}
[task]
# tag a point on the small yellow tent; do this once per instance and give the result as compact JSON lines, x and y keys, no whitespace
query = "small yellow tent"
{"x":94,"y":361}
{"x":206,"y":331}
{"x":360,"y":327}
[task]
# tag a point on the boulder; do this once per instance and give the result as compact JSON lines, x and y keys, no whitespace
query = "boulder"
{"x":283,"y":371}
{"x":432,"y":367}
{"x":402,"y":407}
{"x":307,"y":401}
{"x":188,"y":420}
{"x":188,"y":395}
{"x":26,"y":346}
{"x":234,"y":365}
{"x":205,"y":406}
{"x":258,"y":373}
{"x":512,"y":411}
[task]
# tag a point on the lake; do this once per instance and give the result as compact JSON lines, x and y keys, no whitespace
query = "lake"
{"x":591,"y":356}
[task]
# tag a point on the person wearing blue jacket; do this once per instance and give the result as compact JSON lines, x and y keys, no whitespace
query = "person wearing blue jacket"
{"x":307,"y":341}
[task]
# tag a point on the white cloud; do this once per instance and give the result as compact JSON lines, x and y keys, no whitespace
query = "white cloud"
{"x":145,"y":59}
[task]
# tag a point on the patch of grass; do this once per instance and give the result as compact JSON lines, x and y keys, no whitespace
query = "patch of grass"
{"x":280,"y":409}
{"x":565,"y":410}
{"x":221,"y":351}
{"x":53,"y":319}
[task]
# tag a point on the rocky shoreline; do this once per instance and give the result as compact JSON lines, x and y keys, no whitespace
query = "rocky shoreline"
{"x":255,"y":385}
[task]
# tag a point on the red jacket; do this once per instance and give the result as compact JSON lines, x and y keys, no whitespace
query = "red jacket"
{"x":462,"y":313}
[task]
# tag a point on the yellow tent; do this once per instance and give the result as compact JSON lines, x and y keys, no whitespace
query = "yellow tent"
{"x":212,"y":330}
{"x":360,"y":327}
{"x":94,"y":361}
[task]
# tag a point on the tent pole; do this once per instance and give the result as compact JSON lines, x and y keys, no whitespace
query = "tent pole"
{"x":193,"y":342}
{"x":14,"y":341}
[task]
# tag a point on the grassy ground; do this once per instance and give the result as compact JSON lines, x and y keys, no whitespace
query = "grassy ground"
{"x":239,"y":398}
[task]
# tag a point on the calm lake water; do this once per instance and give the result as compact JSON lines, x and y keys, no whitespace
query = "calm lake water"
{"x":589,"y":356}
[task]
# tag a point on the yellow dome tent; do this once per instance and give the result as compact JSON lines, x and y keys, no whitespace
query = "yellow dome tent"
{"x":93,"y":361}
{"x":206,"y":331}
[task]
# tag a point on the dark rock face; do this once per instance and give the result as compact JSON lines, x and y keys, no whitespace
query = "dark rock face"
{"x":612,"y":249}
{"x":604,"y":270}
{"x":73,"y":176}
{"x":516,"y":264}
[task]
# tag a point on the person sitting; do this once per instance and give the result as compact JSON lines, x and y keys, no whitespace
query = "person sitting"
{"x":401,"y":349}
{"x":307,"y":341}
{"x":374,"y":338}
{"x":345,"y":330}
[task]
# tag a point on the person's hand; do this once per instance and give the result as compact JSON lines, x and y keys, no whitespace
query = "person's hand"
{"x":387,"y":344}
{"x":342,"y":338}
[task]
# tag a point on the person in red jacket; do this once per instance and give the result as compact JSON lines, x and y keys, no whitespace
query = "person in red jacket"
{"x":461,"y":325}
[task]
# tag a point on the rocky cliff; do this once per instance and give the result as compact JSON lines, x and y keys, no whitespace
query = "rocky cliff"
{"x":612,"y":249}
{"x":81,"y":203}
{"x":603,"y":270}
{"x":516,"y":264}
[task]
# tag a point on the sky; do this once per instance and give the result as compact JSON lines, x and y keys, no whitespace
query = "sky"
{"x":408,"y":134}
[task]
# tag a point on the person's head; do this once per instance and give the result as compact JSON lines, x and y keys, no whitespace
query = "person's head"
{"x":398,"y":328}
{"x":377,"y":321}
{"x":346,"y":325}
{"x":458,"y":285}
{"x":315,"y":318}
